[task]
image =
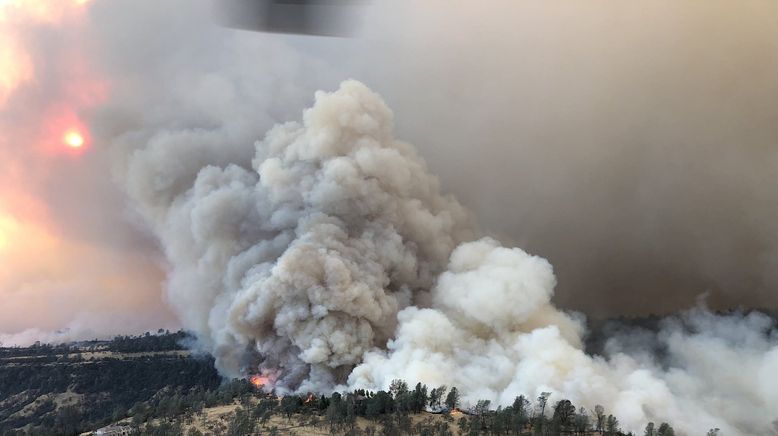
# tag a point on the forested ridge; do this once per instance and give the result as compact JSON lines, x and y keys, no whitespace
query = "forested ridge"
{"x":152,"y":384}
{"x":71,"y":388}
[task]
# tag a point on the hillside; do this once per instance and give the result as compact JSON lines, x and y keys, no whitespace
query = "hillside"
{"x":71,"y":388}
{"x":152,"y":385}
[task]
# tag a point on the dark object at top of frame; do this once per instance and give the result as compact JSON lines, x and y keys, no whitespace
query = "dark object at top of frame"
{"x":305,"y":17}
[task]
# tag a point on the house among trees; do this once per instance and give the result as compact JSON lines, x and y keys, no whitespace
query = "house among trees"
{"x":114,"y":430}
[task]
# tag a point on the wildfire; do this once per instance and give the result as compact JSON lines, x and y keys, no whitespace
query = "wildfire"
{"x":310,"y":398}
{"x":259,"y":380}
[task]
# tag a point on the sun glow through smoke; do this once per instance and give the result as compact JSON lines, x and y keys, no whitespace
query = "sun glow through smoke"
{"x":57,"y":271}
{"x":73,"y":139}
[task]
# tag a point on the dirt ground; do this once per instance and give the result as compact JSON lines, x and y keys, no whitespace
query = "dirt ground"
{"x":214,"y":421}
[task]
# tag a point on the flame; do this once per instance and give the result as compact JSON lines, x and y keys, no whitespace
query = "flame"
{"x":310,"y":398}
{"x":259,"y":381}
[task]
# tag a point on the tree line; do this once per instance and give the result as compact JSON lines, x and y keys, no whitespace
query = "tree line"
{"x":392,"y":412}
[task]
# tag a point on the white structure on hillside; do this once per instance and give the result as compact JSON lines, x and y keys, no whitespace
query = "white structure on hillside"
{"x":114,"y":430}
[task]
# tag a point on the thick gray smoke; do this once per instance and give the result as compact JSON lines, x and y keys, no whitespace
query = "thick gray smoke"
{"x":306,"y":253}
{"x":493,"y":332}
{"x":630,"y":143}
{"x":331,"y":260}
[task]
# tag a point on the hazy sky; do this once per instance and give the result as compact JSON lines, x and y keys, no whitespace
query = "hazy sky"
{"x":632,"y":144}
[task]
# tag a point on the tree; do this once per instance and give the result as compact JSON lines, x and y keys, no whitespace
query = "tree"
{"x":436,"y":396}
{"x":599,"y":413}
{"x":398,"y":387}
{"x":336,"y":411}
{"x":649,"y":430}
{"x":452,"y":399}
{"x":351,"y":411}
{"x":403,"y":401}
{"x":419,"y":397}
{"x":379,"y":404}
{"x":665,"y":430}
{"x":713,"y":432}
{"x":241,"y":424}
{"x":481,"y":407}
{"x":612,"y":425}
{"x":581,"y":421}
{"x":502,"y":420}
{"x":563,"y":414}
{"x":542,"y":401}
{"x":290,"y":405}
{"x":540,"y":421}
{"x":520,"y":409}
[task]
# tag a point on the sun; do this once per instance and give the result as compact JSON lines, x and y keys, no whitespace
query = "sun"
{"x":73,"y":139}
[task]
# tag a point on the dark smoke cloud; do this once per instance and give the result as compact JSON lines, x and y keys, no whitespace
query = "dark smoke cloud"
{"x":633,"y":144}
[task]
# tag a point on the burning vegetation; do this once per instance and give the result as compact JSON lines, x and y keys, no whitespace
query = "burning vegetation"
{"x":260,"y":381}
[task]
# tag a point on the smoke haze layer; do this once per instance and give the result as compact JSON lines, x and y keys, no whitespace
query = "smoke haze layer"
{"x":632,"y":144}
{"x":71,"y":265}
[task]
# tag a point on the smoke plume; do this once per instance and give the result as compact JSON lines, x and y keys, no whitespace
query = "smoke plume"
{"x":306,"y":253}
{"x":331,"y":259}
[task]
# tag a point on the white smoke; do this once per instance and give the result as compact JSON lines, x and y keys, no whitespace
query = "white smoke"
{"x":323,"y":259}
{"x":493,"y":332}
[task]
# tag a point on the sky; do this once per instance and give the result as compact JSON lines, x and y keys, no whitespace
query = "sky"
{"x":71,"y":259}
{"x":633,"y":145}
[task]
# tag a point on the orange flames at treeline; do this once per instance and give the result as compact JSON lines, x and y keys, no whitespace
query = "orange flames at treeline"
{"x":266,"y":382}
{"x":259,"y":381}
